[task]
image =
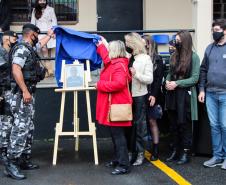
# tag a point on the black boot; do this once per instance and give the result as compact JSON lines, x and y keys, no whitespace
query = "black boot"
{"x":12,"y":170}
{"x":26,"y":164}
{"x":173,"y":156}
{"x":3,"y":156}
{"x":184,"y":158}
{"x":155,"y":153}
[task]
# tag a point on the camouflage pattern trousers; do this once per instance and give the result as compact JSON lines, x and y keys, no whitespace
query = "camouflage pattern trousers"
{"x":6,"y":121}
{"x":21,"y":135}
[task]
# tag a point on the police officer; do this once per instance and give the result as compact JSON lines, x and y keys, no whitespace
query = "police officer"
{"x":8,"y":41}
{"x":26,"y":72}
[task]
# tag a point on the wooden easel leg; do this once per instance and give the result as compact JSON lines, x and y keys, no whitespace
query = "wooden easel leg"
{"x":59,"y":127}
{"x":76,"y":120}
{"x":92,"y":128}
{"x":77,"y":138}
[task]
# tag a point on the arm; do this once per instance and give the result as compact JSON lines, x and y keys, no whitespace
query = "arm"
{"x":156,"y":85}
{"x":147,"y":76}
{"x":117,"y":83}
{"x":46,"y":39}
{"x":203,"y":74}
{"x":103,"y":52}
{"x":193,"y":79}
{"x":33,"y":19}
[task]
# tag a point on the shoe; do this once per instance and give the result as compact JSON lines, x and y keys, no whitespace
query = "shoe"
{"x":26,"y":164}
{"x":120,"y":171}
{"x":184,"y":158}
{"x":111,"y":164}
{"x":155,"y":153}
{"x":173,"y":156}
{"x":213,"y":162}
{"x":140,"y":159}
{"x":12,"y":170}
{"x":223,"y":166}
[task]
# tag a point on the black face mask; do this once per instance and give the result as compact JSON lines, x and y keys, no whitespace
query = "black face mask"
{"x":178,"y":46}
{"x":13,"y":44}
{"x":42,"y":5}
{"x":217,"y":36}
{"x":171,"y":51}
{"x":35,"y":40}
{"x":129,"y":50}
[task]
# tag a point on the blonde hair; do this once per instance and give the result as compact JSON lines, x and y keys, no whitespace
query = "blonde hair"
{"x":135,"y":42}
{"x":117,"y":49}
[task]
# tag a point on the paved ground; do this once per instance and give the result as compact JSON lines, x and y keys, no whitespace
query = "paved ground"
{"x":79,"y":169}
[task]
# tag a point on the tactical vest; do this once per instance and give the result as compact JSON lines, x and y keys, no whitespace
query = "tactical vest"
{"x":32,"y":70}
{"x":5,"y":71}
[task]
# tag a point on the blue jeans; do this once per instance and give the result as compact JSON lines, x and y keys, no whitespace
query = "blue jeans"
{"x":216,"y":109}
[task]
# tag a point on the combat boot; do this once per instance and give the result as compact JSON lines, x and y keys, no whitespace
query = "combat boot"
{"x":184,"y":158}
{"x":12,"y":170}
{"x":26,"y":164}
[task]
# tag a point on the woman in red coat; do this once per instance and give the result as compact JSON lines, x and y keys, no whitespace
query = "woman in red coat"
{"x":114,"y":79}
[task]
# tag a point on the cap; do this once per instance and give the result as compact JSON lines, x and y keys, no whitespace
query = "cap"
{"x":10,"y":33}
{"x":32,"y":27}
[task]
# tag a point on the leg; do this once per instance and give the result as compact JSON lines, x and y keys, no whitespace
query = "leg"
{"x":212,"y":105}
{"x":222,"y":120}
{"x":140,"y":123}
{"x":119,"y":140}
{"x":155,"y":136}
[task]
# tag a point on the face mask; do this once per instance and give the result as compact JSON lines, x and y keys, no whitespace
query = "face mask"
{"x":217,"y":36}
{"x":13,"y":44}
{"x":178,"y":45}
{"x":171,"y":51}
{"x":129,"y":50}
{"x":35,"y":40}
{"x":43,"y":5}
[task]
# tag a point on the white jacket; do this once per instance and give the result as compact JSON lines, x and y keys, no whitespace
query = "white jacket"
{"x":144,"y":74}
{"x":46,"y":21}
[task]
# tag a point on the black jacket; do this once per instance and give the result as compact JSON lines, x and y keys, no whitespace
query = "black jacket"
{"x":155,"y":88}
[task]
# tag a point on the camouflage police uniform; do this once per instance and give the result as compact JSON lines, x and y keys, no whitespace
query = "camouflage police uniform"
{"x":6,"y":117}
{"x":23,"y":126}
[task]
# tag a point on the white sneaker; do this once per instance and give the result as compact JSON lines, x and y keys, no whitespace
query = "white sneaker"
{"x":140,"y":159}
{"x":213,"y":162}
{"x":223,"y":166}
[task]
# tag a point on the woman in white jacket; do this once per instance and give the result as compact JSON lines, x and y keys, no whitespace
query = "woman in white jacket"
{"x":44,"y":17}
{"x":142,"y":75}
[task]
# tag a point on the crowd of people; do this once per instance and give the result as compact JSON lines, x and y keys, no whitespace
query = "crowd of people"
{"x":137,"y":61}
{"x":133,"y":78}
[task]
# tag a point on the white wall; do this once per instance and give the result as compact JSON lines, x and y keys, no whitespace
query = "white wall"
{"x":167,"y":14}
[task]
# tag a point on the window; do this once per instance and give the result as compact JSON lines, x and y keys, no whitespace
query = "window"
{"x":219,"y":9}
{"x":66,"y":10}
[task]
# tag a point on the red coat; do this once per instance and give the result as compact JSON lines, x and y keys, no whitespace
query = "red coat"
{"x":117,"y":86}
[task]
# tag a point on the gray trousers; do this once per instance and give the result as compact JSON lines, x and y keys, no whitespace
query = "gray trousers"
{"x":21,"y":136}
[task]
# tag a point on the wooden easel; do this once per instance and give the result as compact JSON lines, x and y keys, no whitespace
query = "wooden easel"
{"x":76,"y":133}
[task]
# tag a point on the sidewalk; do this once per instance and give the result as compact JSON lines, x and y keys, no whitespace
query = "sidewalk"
{"x":78,"y":168}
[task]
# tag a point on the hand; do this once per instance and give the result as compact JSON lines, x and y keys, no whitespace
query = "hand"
{"x":132,"y":70}
{"x":95,"y":85}
{"x":50,"y":33}
{"x":27,"y":97}
{"x":201,"y":97}
{"x":171,"y":85}
{"x":152,"y":100}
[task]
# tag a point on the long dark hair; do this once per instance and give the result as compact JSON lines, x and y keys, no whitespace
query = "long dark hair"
{"x":38,"y":9}
{"x":152,"y":49}
{"x":181,"y":59}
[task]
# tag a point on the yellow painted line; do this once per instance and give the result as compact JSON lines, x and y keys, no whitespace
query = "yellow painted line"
{"x":167,"y":170}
